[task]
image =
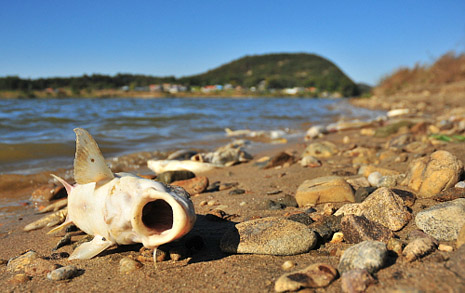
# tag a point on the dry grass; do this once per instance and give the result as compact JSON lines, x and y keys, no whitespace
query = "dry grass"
{"x":448,"y":69}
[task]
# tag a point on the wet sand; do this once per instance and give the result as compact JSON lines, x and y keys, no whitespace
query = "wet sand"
{"x":205,"y":268}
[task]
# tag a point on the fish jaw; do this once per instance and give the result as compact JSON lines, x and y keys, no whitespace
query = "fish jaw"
{"x":161,"y":216}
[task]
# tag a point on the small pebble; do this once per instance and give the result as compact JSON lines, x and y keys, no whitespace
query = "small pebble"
{"x":346,"y":140}
{"x":460,"y":184}
{"x":375,"y":178}
{"x":338,"y":237}
{"x":237,"y":191}
{"x":243,"y":203}
{"x":446,"y":248}
{"x":128,"y":265}
{"x":287,"y":265}
{"x":203,"y":203}
{"x":212,"y":202}
{"x":63,"y":273}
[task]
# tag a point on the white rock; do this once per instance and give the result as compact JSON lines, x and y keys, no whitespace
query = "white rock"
{"x":375,"y":178}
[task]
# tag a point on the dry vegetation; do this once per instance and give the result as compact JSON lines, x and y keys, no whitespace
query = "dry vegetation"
{"x":446,"y":74}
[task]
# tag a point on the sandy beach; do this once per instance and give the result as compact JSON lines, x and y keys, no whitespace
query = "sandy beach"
{"x":198,"y":264}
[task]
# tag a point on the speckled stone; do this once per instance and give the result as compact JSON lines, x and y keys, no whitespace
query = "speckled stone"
{"x":314,"y":276}
{"x":367,"y":255}
{"x":273,"y":235}
{"x":443,"y":221}
{"x":383,"y":206}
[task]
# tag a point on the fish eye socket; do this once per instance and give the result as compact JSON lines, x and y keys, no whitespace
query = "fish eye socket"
{"x":157,"y":215}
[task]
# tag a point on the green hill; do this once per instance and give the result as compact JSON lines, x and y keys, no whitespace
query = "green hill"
{"x":279,"y":71}
{"x":264,"y":72}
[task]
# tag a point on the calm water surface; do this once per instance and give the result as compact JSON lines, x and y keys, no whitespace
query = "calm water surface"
{"x":38,"y":134}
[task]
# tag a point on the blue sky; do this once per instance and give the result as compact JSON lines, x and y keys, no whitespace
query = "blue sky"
{"x":366,"y":39}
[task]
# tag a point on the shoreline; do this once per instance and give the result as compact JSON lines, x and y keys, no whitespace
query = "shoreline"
{"x":210,"y":269}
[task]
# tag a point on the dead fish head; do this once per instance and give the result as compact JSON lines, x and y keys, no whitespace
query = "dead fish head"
{"x":121,"y":208}
{"x":160,"y":217}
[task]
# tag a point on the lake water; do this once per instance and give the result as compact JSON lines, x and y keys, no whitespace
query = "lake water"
{"x":38,"y":134}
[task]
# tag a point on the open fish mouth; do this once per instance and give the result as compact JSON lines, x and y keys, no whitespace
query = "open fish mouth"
{"x":157,"y":216}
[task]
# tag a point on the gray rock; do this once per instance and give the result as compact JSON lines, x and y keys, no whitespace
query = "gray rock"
{"x":443,"y":221}
{"x":314,"y":276}
{"x":358,"y":228}
{"x":367,"y":255}
{"x":63,"y":273}
{"x":273,"y":235}
{"x":356,"y":281}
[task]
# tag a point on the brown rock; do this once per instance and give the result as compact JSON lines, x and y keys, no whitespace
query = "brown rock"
{"x":39,"y":267}
{"x":48,"y":192}
{"x":431,"y":175}
{"x":19,"y":279}
{"x":356,"y":280}
{"x":323,"y":190}
{"x":193,"y":186}
{"x":280,"y":159}
{"x":324,"y":149}
{"x":388,"y":155}
{"x":450,"y":194}
{"x":420,"y":127}
{"x":358,"y":228}
{"x":314,"y":276}
{"x":418,"y":248}
{"x":456,"y":262}
{"x":418,"y":147}
{"x":408,"y":197}
{"x":395,"y":245}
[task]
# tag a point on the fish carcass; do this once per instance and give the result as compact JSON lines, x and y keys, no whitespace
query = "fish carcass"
{"x":121,"y":208}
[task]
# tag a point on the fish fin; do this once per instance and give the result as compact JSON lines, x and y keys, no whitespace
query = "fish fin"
{"x":67,"y":186}
{"x":89,"y":164}
{"x":90,"y":249}
{"x":66,"y":223}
